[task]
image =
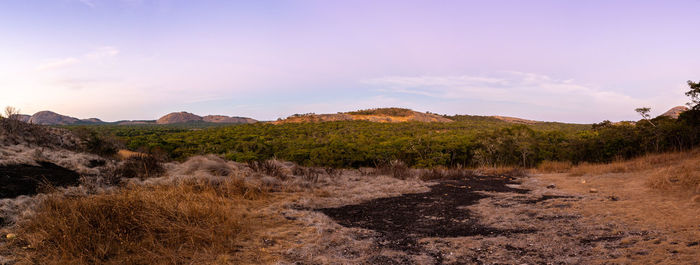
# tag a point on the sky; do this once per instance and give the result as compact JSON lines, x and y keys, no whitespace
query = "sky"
{"x":570,"y":61}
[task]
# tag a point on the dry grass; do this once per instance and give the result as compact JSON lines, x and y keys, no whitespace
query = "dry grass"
{"x":445,"y":173}
{"x":192,"y":222}
{"x":554,"y":166}
{"x":678,"y":171}
{"x":647,"y":162}
{"x":683,"y":175}
{"x":496,"y":171}
{"x":124,"y":154}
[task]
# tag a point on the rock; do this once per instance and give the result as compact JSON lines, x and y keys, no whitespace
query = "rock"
{"x":227,"y":119}
{"x":593,"y":190}
{"x":178,"y":117}
{"x":51,"y":118}
{"x":551,"y":186}
{"x":186,"y":117}
{"x":11,"y":236}
{"x":674,"y":112}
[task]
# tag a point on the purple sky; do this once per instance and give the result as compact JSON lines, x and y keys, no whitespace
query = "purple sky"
{"x":573,"y":61}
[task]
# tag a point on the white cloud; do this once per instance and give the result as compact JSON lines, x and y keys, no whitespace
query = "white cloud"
{"x":92,"y":56}
{"x":56,"y":63}
{"x":562,"y":98}
{"x":102,"y":52}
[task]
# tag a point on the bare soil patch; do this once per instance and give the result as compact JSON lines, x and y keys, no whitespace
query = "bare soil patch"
{"x":16,"y":180}
{"x":403,"y":220}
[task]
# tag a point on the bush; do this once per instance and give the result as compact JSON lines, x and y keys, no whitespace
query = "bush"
{"x":138,"y":166}
{"x":95,"y":143}
{"x":268,"y":167}
{"x":398,"y":169}
{"x":307,"y":173}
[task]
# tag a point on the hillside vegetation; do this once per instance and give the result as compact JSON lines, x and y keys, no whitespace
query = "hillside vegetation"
{"x":390,"y":115}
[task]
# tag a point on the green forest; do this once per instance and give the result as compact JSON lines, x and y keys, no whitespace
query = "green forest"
{"x":468,"y":141}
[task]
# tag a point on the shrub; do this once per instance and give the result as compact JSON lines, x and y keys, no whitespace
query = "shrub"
{"x":96,"y":143}
{"x":307,"y":173}
{"x":400,"y":170}
{"x":333,"y":172}
{"x":268,"y":167}
{"x":138,"y":166}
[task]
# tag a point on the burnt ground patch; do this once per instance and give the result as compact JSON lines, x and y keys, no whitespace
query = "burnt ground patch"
{"x":16,"y":180}
{"x":441,"y":212}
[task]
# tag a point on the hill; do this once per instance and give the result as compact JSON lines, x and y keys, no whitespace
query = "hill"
{"x":383,"y":115}
{"x":675,"y":112}
{"x":51,"y":118}
{"x":186,"y":117}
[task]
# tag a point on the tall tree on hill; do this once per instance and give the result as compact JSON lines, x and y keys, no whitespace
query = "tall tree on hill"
{"x":644,"y":112}
{"x":694,"y":95}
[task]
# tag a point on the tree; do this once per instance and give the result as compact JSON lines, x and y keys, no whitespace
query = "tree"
{"x":694,"y":95}
{"x":11,"y":112}
{"x":644,"y":112}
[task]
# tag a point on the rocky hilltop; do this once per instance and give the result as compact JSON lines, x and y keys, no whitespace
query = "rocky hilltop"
{"x":389,"y":115}
{"x":515,"y":120}
{"x":52,"y":118}
{"x":227,"y":119}
{"x":675,"y":112}
{"x":186,"y":117}
{"x":178,"y":117}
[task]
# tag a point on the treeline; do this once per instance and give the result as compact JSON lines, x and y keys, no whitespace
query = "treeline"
{"x":468,"y":141}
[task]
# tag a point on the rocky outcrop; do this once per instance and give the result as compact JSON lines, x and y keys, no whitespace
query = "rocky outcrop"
{"x":178,"y":117}
{"x":227,"y":119}
{"x":186,"y":117}
{"x":675,"y":112}
{"x":51,"y":118}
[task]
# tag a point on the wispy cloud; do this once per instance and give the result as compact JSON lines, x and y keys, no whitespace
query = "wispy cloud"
{"x":102,"y":52}
{"x":94,"y":55}
{"x":56,"y":63}
{"x":515,"y":88}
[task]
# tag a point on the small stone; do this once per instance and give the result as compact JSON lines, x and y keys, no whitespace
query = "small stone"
{"x":583,"y":181}
{"x":551,"y":186}
{"x":11,"y":236}
{"x":593,"y":191}
{"x":613,"y":198}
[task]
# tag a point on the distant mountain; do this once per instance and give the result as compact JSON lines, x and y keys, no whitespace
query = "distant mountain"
{"x":178,"y":117}
{"x":675,"y":112}
{"x":186,"y":117}
{"x":51,"y":118}
{"x":227,"y":119}
{"x":515,"y":120}
{"x":21,"y":117}
{"x":92,"y":120}
{"x":388,"y":115}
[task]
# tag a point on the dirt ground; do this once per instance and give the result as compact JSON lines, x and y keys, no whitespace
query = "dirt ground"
{"x":541,"y":219}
